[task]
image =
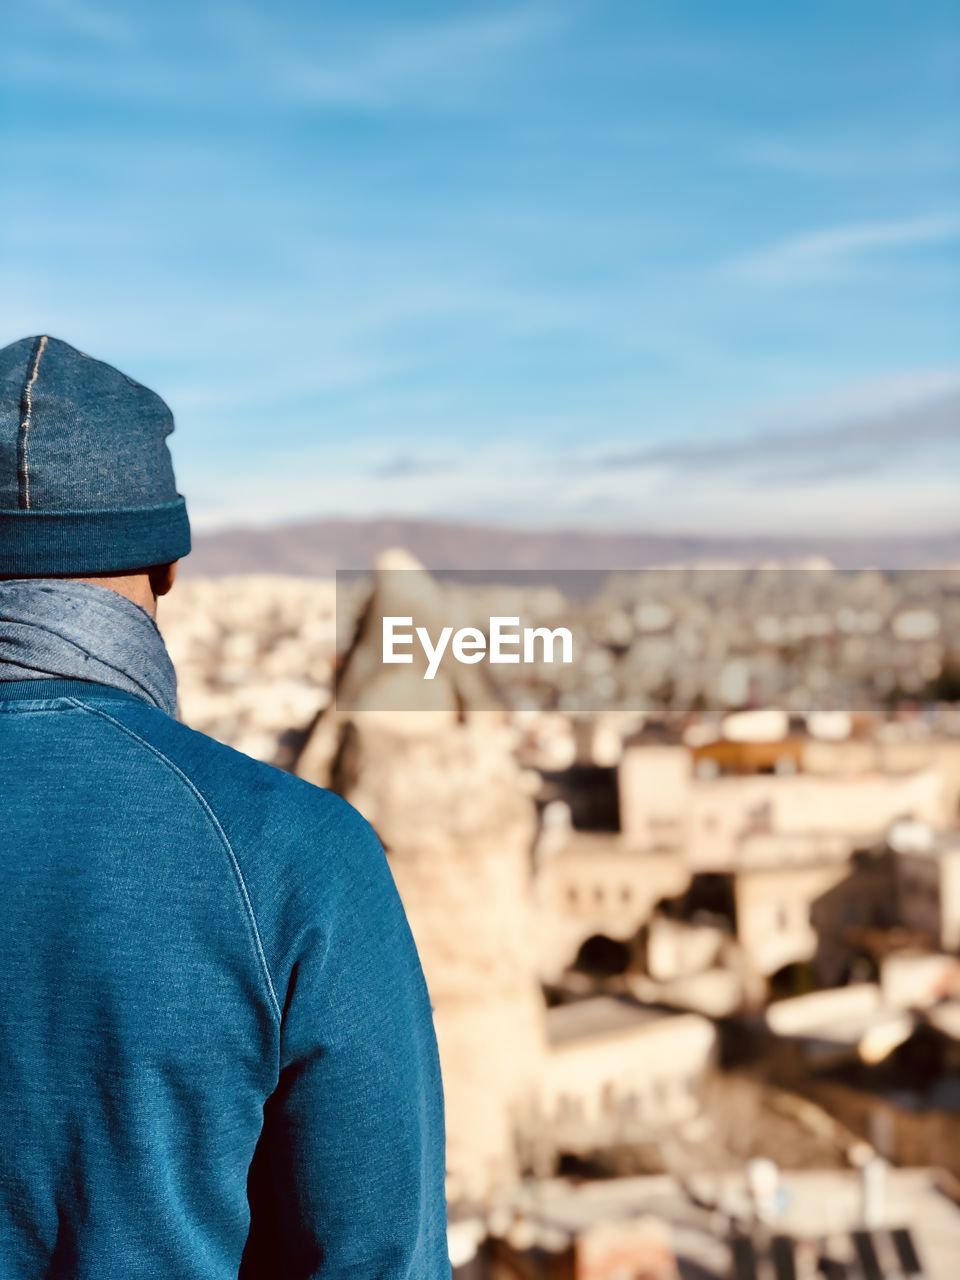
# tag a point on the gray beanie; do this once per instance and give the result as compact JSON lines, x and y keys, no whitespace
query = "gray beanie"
{"x":86,"y":479}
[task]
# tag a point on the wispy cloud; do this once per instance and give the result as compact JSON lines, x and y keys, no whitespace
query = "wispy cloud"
{"x":815,"y":494}
{"x":828,"y":252}
{"x":414,"y":62}
{"x":812,"y":451}
{"x":90,"y":22}
{"x":403,"y":467}
{"x":849,"y":159}
{"x":311,"y":59}
{"x":875,"y":472}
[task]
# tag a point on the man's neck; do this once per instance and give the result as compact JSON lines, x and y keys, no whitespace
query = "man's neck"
{"x":135,"y":586}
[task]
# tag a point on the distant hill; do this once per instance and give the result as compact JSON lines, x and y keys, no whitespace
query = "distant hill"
{"x":315,"y":548}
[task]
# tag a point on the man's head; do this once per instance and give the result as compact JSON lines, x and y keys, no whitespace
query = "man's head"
{"x":86,"y":480}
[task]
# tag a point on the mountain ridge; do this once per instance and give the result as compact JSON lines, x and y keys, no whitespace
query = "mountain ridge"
{"x":316,"y":548}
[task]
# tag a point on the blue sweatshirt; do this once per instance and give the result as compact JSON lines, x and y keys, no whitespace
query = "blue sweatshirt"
{"x":217,"y":1056}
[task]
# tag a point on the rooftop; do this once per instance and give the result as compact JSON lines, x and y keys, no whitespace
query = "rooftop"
{"x":822,"y":1206}
{"x":598,"y":1016}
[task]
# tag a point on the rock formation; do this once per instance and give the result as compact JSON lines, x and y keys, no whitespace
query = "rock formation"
{"x":442,"y":789}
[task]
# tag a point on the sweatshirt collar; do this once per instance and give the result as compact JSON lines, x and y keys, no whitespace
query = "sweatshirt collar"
{"x":58,"y":687}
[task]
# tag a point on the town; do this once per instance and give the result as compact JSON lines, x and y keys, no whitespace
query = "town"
{"x":693,"y":951}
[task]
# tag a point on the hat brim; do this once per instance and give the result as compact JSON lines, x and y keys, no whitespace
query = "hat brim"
{"x":70,"y":543}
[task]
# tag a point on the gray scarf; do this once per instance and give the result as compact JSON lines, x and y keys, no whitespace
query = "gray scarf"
{"x":54,"y":627}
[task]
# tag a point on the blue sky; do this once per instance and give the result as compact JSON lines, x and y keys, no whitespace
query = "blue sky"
{"x":676,"y":265}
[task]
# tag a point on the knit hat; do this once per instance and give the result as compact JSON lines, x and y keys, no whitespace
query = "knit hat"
{"x":86,"y":479}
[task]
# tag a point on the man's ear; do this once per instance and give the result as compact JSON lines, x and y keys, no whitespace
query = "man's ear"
{"x":162,"y":577}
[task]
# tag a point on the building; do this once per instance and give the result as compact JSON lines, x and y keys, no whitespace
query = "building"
{"x":618,"y":1073}
{"x":928,"y":882}
{"x":729,"y":803}
{"x":594,"y":884}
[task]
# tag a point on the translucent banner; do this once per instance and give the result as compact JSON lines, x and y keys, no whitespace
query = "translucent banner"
{"x":654,"y":640}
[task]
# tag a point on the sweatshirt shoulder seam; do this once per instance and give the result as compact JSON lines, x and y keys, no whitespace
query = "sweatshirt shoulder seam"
{"x":224,"y":839}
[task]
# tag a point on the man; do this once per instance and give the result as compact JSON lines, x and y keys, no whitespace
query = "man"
{"x":217,"y":1056}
